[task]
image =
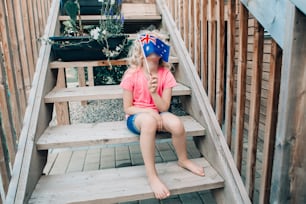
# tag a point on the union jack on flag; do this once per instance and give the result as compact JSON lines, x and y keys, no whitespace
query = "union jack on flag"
{"x":151,"y":44}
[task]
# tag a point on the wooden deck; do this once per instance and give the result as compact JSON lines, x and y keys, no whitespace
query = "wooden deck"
{"x":61,"y":161}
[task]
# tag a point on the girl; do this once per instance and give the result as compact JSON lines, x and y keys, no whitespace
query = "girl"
{"x":147,"y":90}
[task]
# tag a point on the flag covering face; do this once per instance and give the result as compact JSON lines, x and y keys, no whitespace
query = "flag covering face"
{"x":151,"y":44}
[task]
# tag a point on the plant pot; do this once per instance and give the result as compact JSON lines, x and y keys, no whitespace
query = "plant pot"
{"x":87,"y":7}
{"x":84,"y":49}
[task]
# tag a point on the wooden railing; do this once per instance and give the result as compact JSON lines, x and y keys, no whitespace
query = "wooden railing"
{"x":240,"y":71}
{"x":22,"y":23}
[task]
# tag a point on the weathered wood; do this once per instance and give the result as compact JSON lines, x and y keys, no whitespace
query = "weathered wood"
{"x":98,"y":93}
{"x":271,"y":122}
{"x":114,"y":185}
{"x":288,"y":178}
{"x":82,"y":81}
{"x":197,"y":36}
{"x":241,"y":77}
{"x":220,"y":64}
{"x":29,"y":163}
{"x":61,"y":107}
{"x":270,"y":15}
{"x":214,"y":147}
{"x":230,"y":73}
{"x":76,"y":135}
{"x":17,"y":96}
{"x":97,"y":63}
{"x":131,"y":12}
{"x":204,"y":44}
{"x":254,"y":109}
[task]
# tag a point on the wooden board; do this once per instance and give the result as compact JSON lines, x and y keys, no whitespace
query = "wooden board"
{"x":121,"y":184}
{"x":96,"y":63}
{"x":98,"y":93}
{"x":130,"y":12}
{"x":101,"y":133}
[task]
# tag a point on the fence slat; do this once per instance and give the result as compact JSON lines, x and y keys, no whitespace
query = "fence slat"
{"x":271,"y":122}
{"x":254,"y":108}
{"x":230,"y":73}
{"x":241,"y":86}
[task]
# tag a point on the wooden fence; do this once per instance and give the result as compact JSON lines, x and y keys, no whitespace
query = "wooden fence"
{"x":22,"y":23}
{"x":240,"y":70}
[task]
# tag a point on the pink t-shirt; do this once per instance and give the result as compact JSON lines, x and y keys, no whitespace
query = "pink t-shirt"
{"x":134,"y":80}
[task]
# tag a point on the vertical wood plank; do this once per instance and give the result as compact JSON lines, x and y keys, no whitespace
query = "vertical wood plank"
{"x":204,"y":46}
{"x":220,"y":61}
{"x":212,"y":29}
{"x":90,"y":76}
{"x":82,"y":81}
{"x":27,"y":39}
{"x":230,"y":72}
{"x":241,"y":86}
{"x":181,"y":18}
{"x":197,"y":36}
{"x":22,"y":49}
{"x":186,"y":22}
{"x":16,"y":98}
{"x":191,"y":29}
{"x":254,"y":108}
{"x":289,"y":167}
{"x":62,"y":108}
{"x":33,"y":37}
{"x":271,"y":122}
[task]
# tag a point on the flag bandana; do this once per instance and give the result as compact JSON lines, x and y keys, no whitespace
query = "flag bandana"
{"x":151,"y":44}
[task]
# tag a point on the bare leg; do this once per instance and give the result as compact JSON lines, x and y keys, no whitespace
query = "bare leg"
{"x":147,"y":125}
{"x":174,"y":125}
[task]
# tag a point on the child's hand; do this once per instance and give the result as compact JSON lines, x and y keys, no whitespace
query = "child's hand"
{"x":153,"y":81}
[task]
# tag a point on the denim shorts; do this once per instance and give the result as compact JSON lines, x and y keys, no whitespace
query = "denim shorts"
{"x":130,"y":122}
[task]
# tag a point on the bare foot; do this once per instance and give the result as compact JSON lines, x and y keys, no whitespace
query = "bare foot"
{"x":159,"y":189}
{"x":194,"y":168}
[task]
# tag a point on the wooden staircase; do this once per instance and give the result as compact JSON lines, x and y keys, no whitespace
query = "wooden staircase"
{"x":125,"y":183}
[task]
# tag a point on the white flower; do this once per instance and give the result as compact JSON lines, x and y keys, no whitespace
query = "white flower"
{"x":94,"y":33}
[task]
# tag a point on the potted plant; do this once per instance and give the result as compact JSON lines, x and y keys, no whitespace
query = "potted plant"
{"x":80,"y":42}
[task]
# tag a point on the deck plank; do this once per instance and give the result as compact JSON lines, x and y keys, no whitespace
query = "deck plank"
{"x":139,"y":12}
{"x":77,"y":135}
{"x":121,"y":184}
{"x":98,"y":93}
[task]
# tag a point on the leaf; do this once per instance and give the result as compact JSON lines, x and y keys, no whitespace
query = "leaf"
{"x":72,"y":9}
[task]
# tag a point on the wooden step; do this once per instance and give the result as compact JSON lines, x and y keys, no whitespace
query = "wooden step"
{"x":97,"y":63}
{"x":130,"y":11}
{"x":116,"y":132}
{"x":121,"y":184}
{"x":98,"y":93}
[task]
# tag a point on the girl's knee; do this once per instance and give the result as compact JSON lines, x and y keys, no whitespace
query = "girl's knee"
{"x":146,"y":122}
{"x":174,"y":125}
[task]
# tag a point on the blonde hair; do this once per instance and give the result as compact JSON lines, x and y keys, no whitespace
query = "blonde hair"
{"x":136,"y":56}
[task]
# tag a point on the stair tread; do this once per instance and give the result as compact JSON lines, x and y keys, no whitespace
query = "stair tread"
{"x":121,"y":184}
{"x":131,"y":12}
{"x":98,"y":93}
{"x":76,"y":135}
{"x":97,"y":63}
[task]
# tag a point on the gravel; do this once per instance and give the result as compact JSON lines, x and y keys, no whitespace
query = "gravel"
{"x":107,"y":110}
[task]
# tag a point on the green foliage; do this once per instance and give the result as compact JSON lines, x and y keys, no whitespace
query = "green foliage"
{"x":106,"y":76}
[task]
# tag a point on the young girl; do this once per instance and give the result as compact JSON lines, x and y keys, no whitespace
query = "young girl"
{"x":147,"y":90}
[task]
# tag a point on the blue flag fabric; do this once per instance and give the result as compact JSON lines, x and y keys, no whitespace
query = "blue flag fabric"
{"x":151,"y":44}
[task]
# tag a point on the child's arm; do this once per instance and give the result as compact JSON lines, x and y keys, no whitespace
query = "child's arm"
{"x":128,"y":104}
{"x":162,"y":102}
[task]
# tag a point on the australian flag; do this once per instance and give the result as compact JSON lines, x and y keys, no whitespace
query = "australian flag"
{"x":151,"y":44}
